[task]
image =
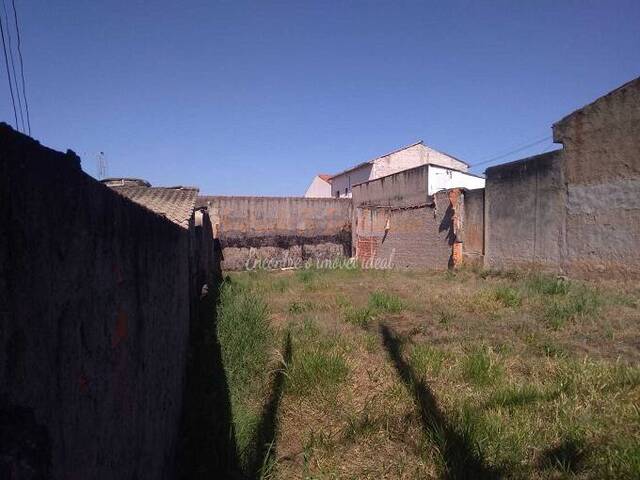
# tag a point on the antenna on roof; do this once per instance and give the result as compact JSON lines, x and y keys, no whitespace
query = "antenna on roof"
{"x":101,"y":162}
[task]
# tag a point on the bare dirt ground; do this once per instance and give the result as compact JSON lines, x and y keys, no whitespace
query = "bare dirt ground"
{"x":472,"y":374}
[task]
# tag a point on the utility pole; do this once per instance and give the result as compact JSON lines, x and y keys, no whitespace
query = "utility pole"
{"x":101,"y":162}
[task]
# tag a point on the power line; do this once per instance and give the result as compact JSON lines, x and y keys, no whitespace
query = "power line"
{"x":24,"y":90}
{"x":6,"y":62}
{"x":519,"y":149}
{"x":13,"y":64}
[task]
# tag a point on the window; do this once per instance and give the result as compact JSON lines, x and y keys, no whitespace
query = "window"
{"x":337,"y":193}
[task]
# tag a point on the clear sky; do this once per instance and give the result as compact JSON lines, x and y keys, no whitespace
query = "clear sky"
{"x":257,"y":97}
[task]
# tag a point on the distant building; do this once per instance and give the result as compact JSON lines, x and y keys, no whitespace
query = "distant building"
{"x":405,"y":158}
{"x":320,"y":187}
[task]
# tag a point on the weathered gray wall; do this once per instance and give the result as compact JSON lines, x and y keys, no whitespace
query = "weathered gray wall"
{"x":279,"y":228}
{"x":420,"y":226}
{"x":94,"y":320}
{"x":576,"y":210}
{"x":473,"y":226}
{"x":525,"y":213}
{"x":602,"y":155}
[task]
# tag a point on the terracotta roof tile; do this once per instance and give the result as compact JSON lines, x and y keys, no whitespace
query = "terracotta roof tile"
{"x":174,"y":203}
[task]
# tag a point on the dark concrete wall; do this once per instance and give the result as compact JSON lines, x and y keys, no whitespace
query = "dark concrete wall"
{"x":602,"y":155}
{"x":525,"y":213}
{"x":279,"y":228}
{"x":94,"y":319}
{"x":420,"y":230}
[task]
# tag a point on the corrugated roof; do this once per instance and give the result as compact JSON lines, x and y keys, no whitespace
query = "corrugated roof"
{"x":324,"y":176}
{"x":174,"y":203}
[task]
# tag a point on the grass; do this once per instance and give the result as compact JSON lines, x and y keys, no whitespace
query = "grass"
{"x":245,"y":337}
{"x":579,"y":305}
{"x":385,"y":302}
{"x":532,"y":375}
{"x":480,"y":367}
{"x":426,"y":359}
{"x":508,"y":296}
{"x":316,"y":372}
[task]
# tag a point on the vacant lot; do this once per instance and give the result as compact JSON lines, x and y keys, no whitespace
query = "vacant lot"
{"x":472,"y":374}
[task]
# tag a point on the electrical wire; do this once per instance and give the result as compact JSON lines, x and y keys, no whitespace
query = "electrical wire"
{"x":519,"y":149}
{"x":13,"y":64}
{"x":24,"y":89}
{"x":6,"y":62}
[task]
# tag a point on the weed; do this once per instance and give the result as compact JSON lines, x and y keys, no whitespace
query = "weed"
{"x":300,"y":307}
{"x":515,"y":396}
{"x":306,"y":276}
{"x":507,"y":296}
{"x":280,"y":285}
{"x":548,"y":285}
{"x":386,"y":302}
{"x":583,"y":303}
{"x":426,"y":359}
{"x":358,"y":316}
{"x":550,"y":349}
{"x":480,"y":368}
{"x":445,"y":316}
{"x":315,"y":371}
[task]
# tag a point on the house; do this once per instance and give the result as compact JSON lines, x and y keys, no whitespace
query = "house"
{"x":411,"y":156}
{"x":320,"y":187}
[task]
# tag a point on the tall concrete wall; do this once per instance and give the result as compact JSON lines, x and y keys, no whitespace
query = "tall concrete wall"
{"x":94,"y":320}
{"x":602,"y":156}
{"x":525,"y":213}
{"x":283,"y":230}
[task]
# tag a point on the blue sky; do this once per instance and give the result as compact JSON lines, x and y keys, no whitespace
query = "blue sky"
{"x":256,"y":97}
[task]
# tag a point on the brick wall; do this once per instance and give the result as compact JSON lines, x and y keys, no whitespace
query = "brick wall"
{"x":395,"y":219}
{"x":95,"y":302}
{"x":286,"y":230}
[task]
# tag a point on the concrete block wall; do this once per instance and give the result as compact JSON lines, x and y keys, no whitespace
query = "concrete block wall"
{"x":525,"y":213}
{"x":286,"y":230}
{"x":94,"y":320}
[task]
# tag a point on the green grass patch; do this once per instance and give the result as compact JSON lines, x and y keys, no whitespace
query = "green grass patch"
{"x":358,"y":316}
{"x":314,"y":371}
{"x":426,"y":360}
{"x":508,"y":296}
{"x":297,"y":306}
{"x":547,"y":284}
{"x":480,"y":367}
{"x":580,"y":304}
{"x":386,"y":302}
{"x":245,"y":339}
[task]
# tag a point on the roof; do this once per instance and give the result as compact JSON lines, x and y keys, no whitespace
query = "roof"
{"x":426,"y":165}
{"x":324,"y":176}
{"x":419,"y":142}
{"x":175,"y":203}
{"x":125,"y":181}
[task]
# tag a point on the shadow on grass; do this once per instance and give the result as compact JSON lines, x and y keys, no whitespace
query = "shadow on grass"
{"x":207,"y":448}
{"x":460,"y":458}
{"x":268,"y":426}
{"x":568,"y":457}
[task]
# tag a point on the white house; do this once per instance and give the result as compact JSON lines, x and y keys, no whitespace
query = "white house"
{"x":320,"y":187}
{"x":411,"y":156}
